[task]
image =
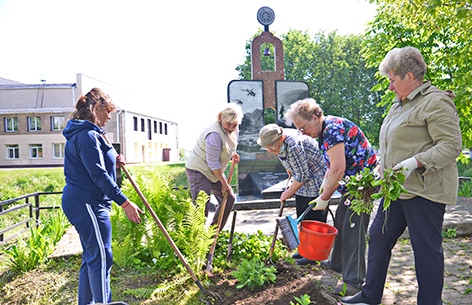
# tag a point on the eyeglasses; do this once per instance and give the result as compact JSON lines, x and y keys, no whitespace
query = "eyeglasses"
{"x":270,"y":147}
{"x":302,"y":129}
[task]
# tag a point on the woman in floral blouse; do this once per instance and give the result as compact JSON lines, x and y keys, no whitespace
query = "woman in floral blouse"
{"x":346,"y":151}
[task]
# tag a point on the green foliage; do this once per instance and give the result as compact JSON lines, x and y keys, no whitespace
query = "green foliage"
{"x":464,"y":167}
{"x":27,"y":254}
{"x":254,"y":273}
{"x":391,"y":186}
{"x":363,"y":185}
{"x":440,"y":29}
{"x":303,"y":300}
{"x":163,"y":289}
{"x":18,"y":182}
{"x":336,"y":73}
{"x":449,"y":233}
{"x":465,"y":189}
{"x":246,"y":246}
{"x":269,"y":116}
{"x":145,"y":246}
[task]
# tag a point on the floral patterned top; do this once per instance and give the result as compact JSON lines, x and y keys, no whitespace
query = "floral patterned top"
{"x":359,"y":153}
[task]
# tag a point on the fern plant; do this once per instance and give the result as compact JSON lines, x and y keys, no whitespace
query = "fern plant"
{"x":184,"y":222}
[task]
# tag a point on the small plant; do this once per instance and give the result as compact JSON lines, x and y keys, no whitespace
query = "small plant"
{"x":363,"y":186}
{"x":303,"y":300}
{"x":449,"y":233}
{"x":29,"y":253}
{"x":254,"y":273}
{"x":465,"y":189}
{"x":343,"y":292}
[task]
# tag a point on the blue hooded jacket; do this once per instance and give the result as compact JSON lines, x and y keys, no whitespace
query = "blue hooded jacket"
{"x":89,"y":165}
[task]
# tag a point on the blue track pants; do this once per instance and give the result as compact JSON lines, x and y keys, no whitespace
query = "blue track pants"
{"x":94,"y":228}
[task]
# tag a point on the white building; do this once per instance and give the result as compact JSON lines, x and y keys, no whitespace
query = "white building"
{"x":34,"y":116}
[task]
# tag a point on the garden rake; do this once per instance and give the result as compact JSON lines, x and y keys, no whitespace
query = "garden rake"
{"x":276,"y":231}
{"x":220,"y":217}
{"x":166,"y":234}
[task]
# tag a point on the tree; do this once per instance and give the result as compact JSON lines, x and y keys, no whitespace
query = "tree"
{"x":441,"y":30}
{"x":335,"y":72}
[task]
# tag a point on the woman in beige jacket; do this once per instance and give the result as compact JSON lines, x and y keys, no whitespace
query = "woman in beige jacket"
{"x":420,"y":135}
{"x":210,"y":156}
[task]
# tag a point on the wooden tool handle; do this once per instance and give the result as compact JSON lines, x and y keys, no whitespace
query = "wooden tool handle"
{"x":159,"y":223}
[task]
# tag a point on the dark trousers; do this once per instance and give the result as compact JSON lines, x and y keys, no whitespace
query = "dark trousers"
{"x":301,"y":204}
{"x":424,"y":219}
{"x":350,"y":245}
{"x":199,"y":182}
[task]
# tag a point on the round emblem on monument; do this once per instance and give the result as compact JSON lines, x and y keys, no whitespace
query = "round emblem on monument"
{"x":265,"y":16}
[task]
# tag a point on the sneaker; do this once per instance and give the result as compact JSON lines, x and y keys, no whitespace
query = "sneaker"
{"x":296,"y":255}
{"x":346,"y":289}
{"x":303,"y":261}
{"x":357,"y":299}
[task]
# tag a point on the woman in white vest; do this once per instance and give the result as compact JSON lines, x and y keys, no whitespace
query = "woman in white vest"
{"x":209,"y":158}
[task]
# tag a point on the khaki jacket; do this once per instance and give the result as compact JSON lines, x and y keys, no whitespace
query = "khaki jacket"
{"x":425,"y":125}
{"x":197,"y":158}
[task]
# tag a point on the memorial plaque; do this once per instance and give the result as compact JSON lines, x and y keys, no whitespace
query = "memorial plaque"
{"x":249,"y":95}
{"x":287,"y":93}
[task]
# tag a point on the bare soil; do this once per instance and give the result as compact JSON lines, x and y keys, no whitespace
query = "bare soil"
{"x":292,"y":281}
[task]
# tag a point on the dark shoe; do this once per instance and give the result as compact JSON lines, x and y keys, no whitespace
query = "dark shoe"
{"x":296,"y":255}
{"x":345,"y":291}
{"x":357,"y":299}
{"x":303,"y":261}
{"x":327,"y":265}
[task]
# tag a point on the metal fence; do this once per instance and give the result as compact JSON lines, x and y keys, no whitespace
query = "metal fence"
{"x":32,"y":202}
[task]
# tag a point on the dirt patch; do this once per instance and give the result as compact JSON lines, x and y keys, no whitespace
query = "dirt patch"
{"x":292,"y":281}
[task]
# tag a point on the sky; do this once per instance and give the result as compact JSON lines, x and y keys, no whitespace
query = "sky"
{"x":174,"y":58}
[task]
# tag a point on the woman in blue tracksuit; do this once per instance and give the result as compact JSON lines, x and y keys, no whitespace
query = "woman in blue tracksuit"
{"x":89,"y":168}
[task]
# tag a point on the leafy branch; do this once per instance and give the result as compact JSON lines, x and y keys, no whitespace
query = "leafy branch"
{"x":364,"y":185}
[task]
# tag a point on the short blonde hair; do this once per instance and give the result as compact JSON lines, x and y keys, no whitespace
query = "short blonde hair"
{"x":304,"y":109}
{"x":230,"y":114}
{"x":403,"y":60}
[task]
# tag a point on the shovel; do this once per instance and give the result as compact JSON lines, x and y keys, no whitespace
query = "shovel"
{"x":164,"y":231}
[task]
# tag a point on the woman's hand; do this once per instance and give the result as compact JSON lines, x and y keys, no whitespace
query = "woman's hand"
{"x":132,"y":211}
{"x":236,"y":158}
{"x":120,"y":159}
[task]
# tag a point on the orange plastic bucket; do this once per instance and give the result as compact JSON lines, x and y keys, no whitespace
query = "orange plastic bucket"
{"x":316,"y":240}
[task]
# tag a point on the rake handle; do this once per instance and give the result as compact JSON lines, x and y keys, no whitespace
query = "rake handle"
{"x":158,"y":221}
{"x":220,"y":217}
{"x":281,"y":211}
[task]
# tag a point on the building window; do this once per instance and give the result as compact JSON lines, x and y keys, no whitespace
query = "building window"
{"x":13,"y":151}
{"x":11,"y":124}
{"x":58,"y":123}
{"x":135,"y":123}
{"x":155,"y":126}
{"x":34,"y":123}
{"x":142,"y":125}
{"x":58,"y":150}
{"x":165,"y":128}
{"x":36,"y":151}
{"x":160,"y":127}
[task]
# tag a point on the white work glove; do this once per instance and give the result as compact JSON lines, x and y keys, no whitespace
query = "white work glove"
{"x":408,"y":166}
{"x":320,"y":204}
